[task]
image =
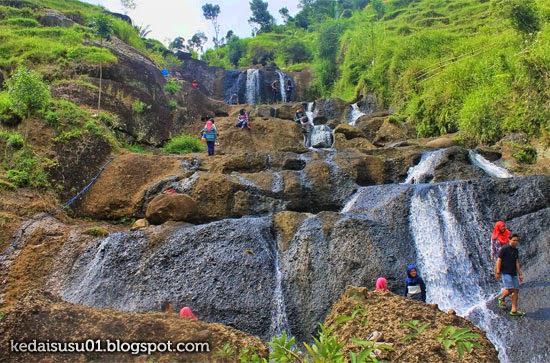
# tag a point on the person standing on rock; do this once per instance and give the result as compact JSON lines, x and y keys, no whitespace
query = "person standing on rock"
{"x":499,"y":238}
{"x":415,"y":288}
{"x":210,"y":133}
{"x":299,"y":114}
{"x":307,"y":130}
{"x":276,"y":90}
{"x":288,"y":90}
{"x":508,"y":270}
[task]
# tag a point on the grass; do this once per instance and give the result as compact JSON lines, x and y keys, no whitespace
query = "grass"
{"x":184,"y":144}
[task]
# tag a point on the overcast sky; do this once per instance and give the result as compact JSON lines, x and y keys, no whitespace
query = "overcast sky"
{"x":168,"y":19}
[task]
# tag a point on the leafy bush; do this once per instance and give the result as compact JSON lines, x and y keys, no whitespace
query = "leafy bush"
{"x":526,"y":154}
{"x":184,"y":144}
{"x":25,"y":168}
{"x":172,"y":87}
{"x":15,"y":141}
{"x":27,"y":92}
{"x":173,"y":104}
{"x":139,"y":107}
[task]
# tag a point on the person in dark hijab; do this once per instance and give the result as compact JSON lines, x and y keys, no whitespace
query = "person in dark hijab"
{"x":415,"y":288}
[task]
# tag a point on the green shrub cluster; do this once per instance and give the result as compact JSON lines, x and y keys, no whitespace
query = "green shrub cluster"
{"x":184,"y":144}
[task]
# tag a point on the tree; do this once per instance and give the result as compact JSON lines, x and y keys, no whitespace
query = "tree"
{"x":128,"y":4}
{"x":27,"y":92}
{"x":103,"y":28}
{"x":197,"y":41}
{"x":178,"y":43}
{"x":211,"y":13}
{"x":285,"y":14}
{"x":261,"y":17}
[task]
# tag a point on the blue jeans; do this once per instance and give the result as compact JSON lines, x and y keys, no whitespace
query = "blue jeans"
{"x":210,"y":146}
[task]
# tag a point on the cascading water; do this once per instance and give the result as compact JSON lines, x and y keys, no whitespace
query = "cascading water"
{"x":488,"y":167}
{"x":279,"y":320}
{"x":311,"y":111}
{"x":444,"y":222}
{"x":423,"y":171}
{"x":354,"y":114}
{"x":282,"y":82}
{"x":253,"y":86}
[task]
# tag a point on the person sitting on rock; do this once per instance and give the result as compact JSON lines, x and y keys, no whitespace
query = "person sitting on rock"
{"x":299,"y":114}
{"x":186,"y":312}
{"x":195,"y":84}
{"x":167,"y":307}
{"x":382,"y":284}
{"x":242,"y":119}
{"x":414,"y":285}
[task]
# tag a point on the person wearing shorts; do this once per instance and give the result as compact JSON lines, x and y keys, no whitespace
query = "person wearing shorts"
{"x":508,"y":270}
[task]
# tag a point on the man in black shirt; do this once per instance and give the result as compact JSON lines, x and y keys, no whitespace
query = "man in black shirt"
{"x":508,"y":266}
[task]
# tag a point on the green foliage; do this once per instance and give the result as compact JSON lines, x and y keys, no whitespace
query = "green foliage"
{"x":357,"y":311}
{"x":102,"y":25}
{"x":261,"y":17}
{"x":16,"y":141}
{"x":225,"y":352}
{"x":172,"y":87}
{"x":173,"y":104}
{"x":139,"y":107}
{"x":462,"y":339}
{"x":326,"y":348}
{"x":96,"y":232}
{"x":127,"y":33}
{"x":21,"y":22}
{"x":184,"y":144}
{"x":27,"y":92}
{"x":25,"y":168}
{"x":523,"y":14}
{"x":525,"y":154}
{"x":283,"y":349}
{"x":367,"y":348}
{"x":415,"y":329}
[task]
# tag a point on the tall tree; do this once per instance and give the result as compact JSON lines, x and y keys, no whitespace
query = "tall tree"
{"x":103,"y":28}
{"x":261,"y":17}
{"x":211,"y":13}
{"x":128,"y":5}
{"x":285,"y":14}
{"x":197,"y":41}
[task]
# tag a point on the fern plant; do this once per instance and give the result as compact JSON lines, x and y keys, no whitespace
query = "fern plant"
{"x":463,"y":339}
{"x":415,"y":329}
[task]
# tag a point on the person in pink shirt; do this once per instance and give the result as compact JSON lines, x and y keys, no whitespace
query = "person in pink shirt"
{"x":382,"y":284}
{"x":186,"y":312}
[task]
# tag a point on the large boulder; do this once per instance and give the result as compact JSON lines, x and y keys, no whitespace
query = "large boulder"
{"x":171,"y":207}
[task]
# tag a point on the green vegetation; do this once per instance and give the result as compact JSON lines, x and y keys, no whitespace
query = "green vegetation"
{"x":462,"y":339}
{"x":475,"y":67}
{"x":27,"y":93}
{"x":415,"y":329}
{"x":184,"y":144}
{"x":96,"y":232}
{"x":172,"y":87}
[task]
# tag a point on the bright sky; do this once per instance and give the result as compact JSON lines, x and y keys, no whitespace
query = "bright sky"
{"x":168,"y":19}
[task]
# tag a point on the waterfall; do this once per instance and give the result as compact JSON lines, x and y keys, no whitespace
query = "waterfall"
{"x":282,"y":82}
{"x":487,"y":166}
{"x":279,"y":321}
{"x":355,"y":114}
{"x":253,"y":86}
{"x":311,"y":112}
{"x":423,"y":172}
{"x":447,"y":228}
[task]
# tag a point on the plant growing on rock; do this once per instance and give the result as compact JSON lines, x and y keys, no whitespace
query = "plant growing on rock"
{"x":359,"y":310}
{"x":463,"y":339}
{"x":415,"y":329}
